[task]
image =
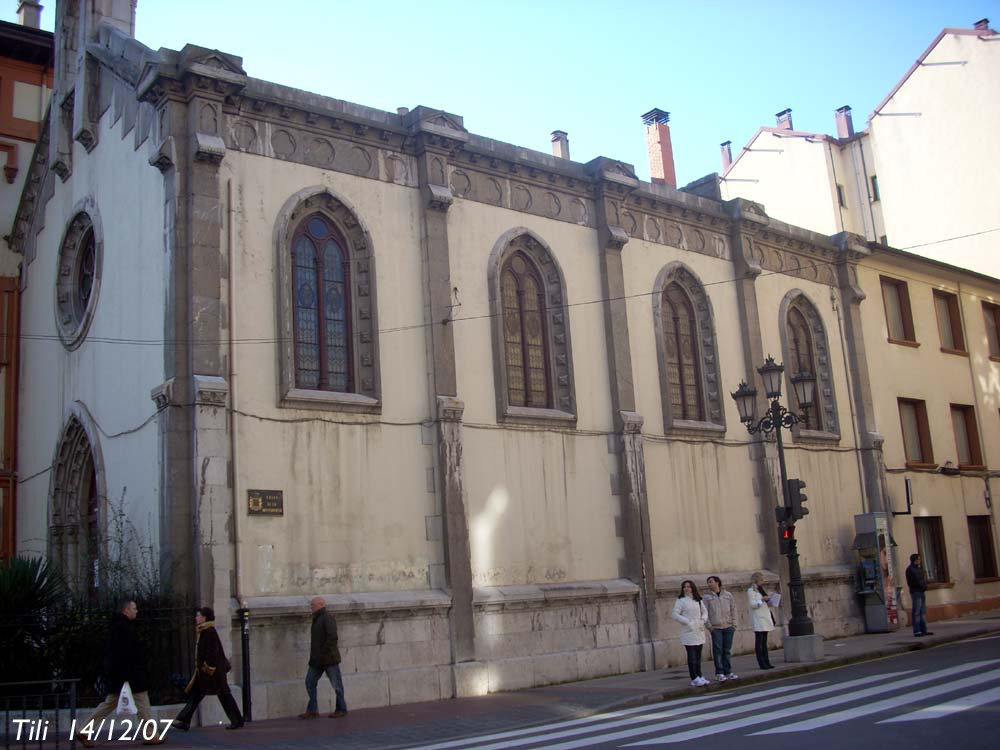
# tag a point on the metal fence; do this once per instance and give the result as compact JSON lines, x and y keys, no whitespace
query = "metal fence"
{"x":35,"y":713}
{"x":71,"y":644}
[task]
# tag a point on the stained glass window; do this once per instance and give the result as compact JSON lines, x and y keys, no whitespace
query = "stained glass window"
{"x":322,"y":320}
{"x":681,"y":348}
{"x":525,"y":347}
{"x":801,"y":351}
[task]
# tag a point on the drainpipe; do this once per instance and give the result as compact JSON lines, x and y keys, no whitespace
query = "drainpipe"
{"x":233,"y":441}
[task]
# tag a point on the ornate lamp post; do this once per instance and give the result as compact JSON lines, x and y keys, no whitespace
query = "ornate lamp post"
{"x":778,"y":416}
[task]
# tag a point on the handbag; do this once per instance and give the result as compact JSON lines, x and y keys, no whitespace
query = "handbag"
{"x":126,"y":701}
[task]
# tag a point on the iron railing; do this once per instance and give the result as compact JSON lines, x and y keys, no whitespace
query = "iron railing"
{"x":34,"y":713}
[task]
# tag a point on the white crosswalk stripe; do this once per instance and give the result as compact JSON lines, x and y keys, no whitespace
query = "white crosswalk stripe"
{"x":708,"y":711}
{"x":641,"y":713}
{"x":849,"y":697}
{"x":950,"y":707}
{"x":759,"y":712}
{"x":884,"y":705}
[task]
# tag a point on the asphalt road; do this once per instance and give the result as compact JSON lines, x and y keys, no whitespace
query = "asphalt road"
{"x":948,"y":697}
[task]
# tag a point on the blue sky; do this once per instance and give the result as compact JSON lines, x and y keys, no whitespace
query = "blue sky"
{"x":517,"y":70}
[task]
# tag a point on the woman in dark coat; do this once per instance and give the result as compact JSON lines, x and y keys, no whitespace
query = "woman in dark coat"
{"x":209,"y":678}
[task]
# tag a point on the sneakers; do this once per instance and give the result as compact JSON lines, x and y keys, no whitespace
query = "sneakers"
{"x":699,"y":682}
{"x":732,"y":676}
{"x":721,"y":677}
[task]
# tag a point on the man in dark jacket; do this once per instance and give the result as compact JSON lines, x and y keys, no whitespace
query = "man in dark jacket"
{"x":916,"y":581}
{"x":126,"y":662}
{"x":324,"y":657}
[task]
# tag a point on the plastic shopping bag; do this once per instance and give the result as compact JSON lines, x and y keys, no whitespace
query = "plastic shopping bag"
{"x":126,"y":702}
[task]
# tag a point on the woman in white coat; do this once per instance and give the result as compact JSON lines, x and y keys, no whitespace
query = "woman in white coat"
{"x":690,"y":612}
{"x":760,"y":618}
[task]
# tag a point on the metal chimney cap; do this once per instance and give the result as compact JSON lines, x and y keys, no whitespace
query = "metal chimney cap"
{"x":656,"y":117}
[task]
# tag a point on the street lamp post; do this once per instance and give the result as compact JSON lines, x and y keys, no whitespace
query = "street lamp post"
{"x":778,"y":416}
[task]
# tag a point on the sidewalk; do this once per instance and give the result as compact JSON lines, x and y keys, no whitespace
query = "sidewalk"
{"x":421,"y":723}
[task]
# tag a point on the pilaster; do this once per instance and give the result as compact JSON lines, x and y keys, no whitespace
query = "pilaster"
{"x":436,"y":136}
{"x":614,"y":181}
{"x":748,"y":219}
{"x":188,"y":90}
{"x":852,"y":250}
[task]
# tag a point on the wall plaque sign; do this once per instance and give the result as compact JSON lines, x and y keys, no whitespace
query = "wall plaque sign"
{"x":266,"y":502}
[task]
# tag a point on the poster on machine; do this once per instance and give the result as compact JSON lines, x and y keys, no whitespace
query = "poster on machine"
{"x":887,"y":570}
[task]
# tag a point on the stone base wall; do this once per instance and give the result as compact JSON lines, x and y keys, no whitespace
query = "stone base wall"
{"x":396,"y":647}
{"x":528,"y":636}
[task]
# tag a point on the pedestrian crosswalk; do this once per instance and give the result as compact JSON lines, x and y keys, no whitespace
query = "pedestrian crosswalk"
{"x":783,"y":709}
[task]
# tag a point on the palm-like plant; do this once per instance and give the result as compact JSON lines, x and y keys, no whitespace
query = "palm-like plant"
{"x":29,"y":588}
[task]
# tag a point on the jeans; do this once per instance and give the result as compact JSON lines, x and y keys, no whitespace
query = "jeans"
{"x":694,"y":660}
{"x":760,"y":648}
{"x":722,"y":649}
{"x":919,"y":612}
{"x":312,"y":680}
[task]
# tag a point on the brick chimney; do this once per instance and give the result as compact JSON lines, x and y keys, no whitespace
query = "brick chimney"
{"x":29,"y":13}
{"x":845,"y":123}
{"x":661,"y":152}
{"x":560,"y":144}
{"x":783,"y":119}
{"x":727,"y":154}
{"x":983,"y":24}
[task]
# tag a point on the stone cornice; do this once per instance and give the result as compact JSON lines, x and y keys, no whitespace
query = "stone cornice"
{"x":31,"y":194}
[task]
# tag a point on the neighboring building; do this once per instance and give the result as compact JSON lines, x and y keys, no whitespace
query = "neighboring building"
{"x":934,"y":363}
{"x":475,"y":395}
{"x":917,"y":178}
{"x":25,"y":83}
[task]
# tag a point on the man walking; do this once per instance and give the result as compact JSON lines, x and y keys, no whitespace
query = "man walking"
{"x":324,"y":657}
{"x":722,"y":623}
{"x":916,"y":581}
{"x":126,"y":662}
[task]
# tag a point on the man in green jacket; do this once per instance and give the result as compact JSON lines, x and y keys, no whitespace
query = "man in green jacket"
{"x":324,"y":657}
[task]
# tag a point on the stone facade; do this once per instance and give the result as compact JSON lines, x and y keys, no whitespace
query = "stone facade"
{"x":467,"y":543}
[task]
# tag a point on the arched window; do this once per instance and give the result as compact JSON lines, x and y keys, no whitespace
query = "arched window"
{"x":321,"y":294}
{"x":805,"y":349}
{"x":525,"y":350}
{"x":531,"y":343}
{"x":327,"y":312}
{"x":800,"y":359}
{"x":681,"y":348}
{"x":685,"y":346}
{"x":77,"y":512}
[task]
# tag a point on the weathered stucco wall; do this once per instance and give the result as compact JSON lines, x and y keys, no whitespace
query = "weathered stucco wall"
{"x":127,"y":329}
{"x":356,"y":490}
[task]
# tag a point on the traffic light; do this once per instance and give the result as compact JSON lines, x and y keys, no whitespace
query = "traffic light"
{"x":786,"y":533}
{"x":782,"y":515}
{"x":796,"y":500}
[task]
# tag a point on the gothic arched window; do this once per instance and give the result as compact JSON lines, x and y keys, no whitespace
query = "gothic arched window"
{"x":533,"y":364}
{"x":805,"y":349}
{"x":525,"y":350}
{"x":327,"y":314}
{"x":800,"y":359}
{"x":685,"y":345}
{"x":681,"y":348}
{"x":321,"y":295}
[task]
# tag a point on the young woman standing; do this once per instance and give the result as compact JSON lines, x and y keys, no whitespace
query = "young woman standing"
{"x":760,"y":616}
{"x":690,"y":612}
